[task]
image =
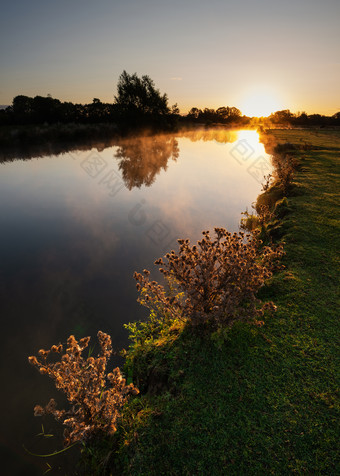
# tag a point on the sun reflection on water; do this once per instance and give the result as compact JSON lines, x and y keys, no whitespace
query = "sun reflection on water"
{"x":252,"y":138}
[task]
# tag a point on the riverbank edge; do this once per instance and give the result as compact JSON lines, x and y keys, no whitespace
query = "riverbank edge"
{"x":168,"y":381}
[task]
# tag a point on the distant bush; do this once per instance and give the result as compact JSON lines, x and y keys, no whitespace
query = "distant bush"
{"x":95,"y":405}
{"x":218,"y":279}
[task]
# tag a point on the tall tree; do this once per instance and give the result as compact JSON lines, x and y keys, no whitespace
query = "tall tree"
{"x":139,"y":97}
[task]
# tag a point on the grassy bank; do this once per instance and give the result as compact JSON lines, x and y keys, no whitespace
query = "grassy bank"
{"x":258,"y":400}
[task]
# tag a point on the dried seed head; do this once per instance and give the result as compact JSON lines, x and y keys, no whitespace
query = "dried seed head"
{"x":38,"y":411}
{"x":33,"y":360}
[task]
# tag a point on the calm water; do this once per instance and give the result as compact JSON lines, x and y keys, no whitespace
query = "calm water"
{"x":73,"y":229}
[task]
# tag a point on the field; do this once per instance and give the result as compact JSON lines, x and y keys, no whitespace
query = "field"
{"x":265,"y":399}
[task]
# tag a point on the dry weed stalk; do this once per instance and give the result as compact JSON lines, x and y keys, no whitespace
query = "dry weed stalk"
{"x":219,"y":278}
{"x":95,"y":405}
{"x":285,"y":165}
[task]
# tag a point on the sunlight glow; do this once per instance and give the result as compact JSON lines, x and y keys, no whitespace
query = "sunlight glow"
{"x":250,"y":141}
{"x":260,"y":103}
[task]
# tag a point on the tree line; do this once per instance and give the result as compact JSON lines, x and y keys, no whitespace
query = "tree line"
{"x":301,"y":119}
{"x":139,"y":103}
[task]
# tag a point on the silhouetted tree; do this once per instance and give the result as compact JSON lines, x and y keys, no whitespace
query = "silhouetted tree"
{"x":301,"y":119}
{"x":234,"y":113}
{"x":194,"y":113}
{"x":175,"y":109}
{"x":208,"y":115}
{"x":281,"y":117}
{"x":46,"y":109}
{"x":223,"y":113}
{"x":138,"y":101}
{"x":22,"y":108}
{"x":98,"y":111}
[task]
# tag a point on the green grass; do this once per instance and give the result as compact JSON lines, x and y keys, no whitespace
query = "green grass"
{"x":265,"y":399}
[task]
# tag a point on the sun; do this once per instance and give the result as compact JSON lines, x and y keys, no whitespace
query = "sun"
{"x":260,"y":104}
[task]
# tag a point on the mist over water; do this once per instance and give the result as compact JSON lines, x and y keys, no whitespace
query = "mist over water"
{"x":74,"y":228}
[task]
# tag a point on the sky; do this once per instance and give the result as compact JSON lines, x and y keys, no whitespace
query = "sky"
{"x":258,"y":55}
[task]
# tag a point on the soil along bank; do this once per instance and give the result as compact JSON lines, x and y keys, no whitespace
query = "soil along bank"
{"x":258,"y":400}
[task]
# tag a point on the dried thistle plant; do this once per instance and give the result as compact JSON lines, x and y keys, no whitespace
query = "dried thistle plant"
{"x":95,"y":404}
{"x":284,"y":167}
{"x":218,"y":278}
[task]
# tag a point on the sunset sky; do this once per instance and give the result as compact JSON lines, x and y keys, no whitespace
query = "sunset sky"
{"x":255,"y":55}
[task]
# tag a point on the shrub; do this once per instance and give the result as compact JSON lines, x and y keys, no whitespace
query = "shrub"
{"x":285,"y":165}
{"x":218,"y":279}
{"x":269,"y":198}
{"x":258,"y":220}
{"x":95,"y":405}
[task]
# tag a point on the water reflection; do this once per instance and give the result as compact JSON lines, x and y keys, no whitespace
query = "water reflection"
{"x":68,"y":248}
{"x":132,"y":149}
{"x":45,"y":148}
{"x":140,"y":159}
{"x":221,"y":135}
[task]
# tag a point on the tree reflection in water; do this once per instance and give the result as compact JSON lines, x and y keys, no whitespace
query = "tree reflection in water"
{"x":140,"y":159}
